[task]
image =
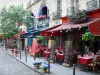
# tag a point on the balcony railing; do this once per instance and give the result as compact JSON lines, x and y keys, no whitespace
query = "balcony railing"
{"x":92,"y":5}
{"x":72,"y":10}
{"x":56,"y":14}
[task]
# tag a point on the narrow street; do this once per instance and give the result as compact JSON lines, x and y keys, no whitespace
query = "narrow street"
{"x":9,"y":66}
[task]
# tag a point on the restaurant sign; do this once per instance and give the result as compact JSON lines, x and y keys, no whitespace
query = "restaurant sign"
{"x":94,"y":28}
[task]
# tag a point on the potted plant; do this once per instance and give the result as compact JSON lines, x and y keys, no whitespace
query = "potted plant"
{"x":87,"y":36}
{"x":45,"y":68}
{"x":37,"y":64}
{"x":14,"y":50}
{"x":15,"y":46}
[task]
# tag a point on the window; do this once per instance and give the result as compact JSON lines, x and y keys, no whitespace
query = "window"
{"x":74,"y":2}
{"x":93,"y":4}
{"x":58,"y":5}
{"x":73,"y":6}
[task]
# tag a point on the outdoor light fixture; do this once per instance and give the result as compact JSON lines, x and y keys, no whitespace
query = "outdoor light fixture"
{"x":45,"y":34}
{"x":66,"y":30}
{"x":61,"y":31}
{"x":80,"y":27}
{"x":52,"y":32}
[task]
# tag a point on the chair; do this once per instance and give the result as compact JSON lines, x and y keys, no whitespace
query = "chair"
{"x":98,"y":63}
{"x":93,"y":65}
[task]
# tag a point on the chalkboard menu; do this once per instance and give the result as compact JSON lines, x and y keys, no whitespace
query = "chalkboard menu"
{"x":68,"y":51}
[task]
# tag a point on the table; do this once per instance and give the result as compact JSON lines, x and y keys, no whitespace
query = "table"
{"x":46,"y":54}
{"x":60,"y":56}
{"x":85,"y":60}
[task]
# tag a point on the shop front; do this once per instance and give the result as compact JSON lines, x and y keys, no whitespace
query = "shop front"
{"x":68,"y":32}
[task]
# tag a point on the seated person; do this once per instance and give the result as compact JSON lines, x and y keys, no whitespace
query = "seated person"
{"x":57,"y":51}
{"x":90,"y":53}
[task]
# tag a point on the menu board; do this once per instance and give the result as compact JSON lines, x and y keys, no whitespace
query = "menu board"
{"x":68,"y":51}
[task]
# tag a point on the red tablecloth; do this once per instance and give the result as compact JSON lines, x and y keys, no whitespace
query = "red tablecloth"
{"x":46,"y":54}
{"x":85,"y":60}
{"x":60,"y":56}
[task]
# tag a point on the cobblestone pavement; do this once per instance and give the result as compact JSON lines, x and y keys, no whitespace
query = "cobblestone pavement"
{"x":9,"y":66}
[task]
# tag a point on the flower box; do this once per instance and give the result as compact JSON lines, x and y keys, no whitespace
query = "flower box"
{"x":45,"y":68}
{"x":42,"y":17}
{"x":37,"y":64}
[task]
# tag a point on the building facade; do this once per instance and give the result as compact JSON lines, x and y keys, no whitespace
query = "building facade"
{"x":57,"y":12}
{"x":57,"y":9}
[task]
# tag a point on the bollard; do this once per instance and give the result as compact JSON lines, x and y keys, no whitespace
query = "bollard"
{"x":34,"y":57}
{"x":20,"y":53}
{"x":73,"y":69}
{"x":48,"y":65}
{"x":25,"y":55}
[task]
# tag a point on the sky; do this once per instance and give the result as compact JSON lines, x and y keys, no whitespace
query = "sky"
{"x":7,"y":3}
{"x":2,"y":3}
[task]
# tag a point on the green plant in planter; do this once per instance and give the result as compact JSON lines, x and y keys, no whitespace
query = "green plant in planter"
{"x":37,"y":64}
{"x":88,"y":37}
{"x":45,"y":68}
{"x":79,"y":17}
{"x":40,"y":39}
{"x":15,"y":46}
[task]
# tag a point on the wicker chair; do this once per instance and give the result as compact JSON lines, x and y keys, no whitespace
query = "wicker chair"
{"x":93,"y":65}
{"x":98,"y":63}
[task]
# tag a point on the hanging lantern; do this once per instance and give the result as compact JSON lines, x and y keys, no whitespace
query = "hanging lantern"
{"x":66,"y":30}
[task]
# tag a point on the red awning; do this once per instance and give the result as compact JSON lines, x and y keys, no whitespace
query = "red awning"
{"x":69,"y":25}
{"x":55,"y":31}
{"x":94,"y":28}
{"x":46,"y":33}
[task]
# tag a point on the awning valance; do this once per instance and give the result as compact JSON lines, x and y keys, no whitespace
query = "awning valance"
{"x":55,"y":31}
{"x":46,"y":33}
{"x":70,"y":26}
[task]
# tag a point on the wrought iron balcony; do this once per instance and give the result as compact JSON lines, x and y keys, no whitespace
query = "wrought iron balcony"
{"x":72,"y":10}
{"x":56,"y":14}
{"x":92,"y":5}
